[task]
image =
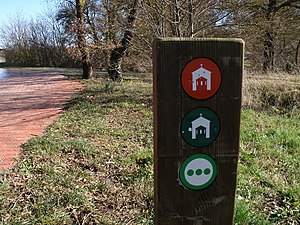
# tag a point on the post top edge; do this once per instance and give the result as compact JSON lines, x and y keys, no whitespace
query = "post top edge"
{"x":187,"y":39}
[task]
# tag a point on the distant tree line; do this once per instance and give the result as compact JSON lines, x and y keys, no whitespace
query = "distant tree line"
{"x":37,"y":43}
{"x":114,"y":34}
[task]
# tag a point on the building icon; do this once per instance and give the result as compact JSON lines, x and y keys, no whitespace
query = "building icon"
{"x":200,"y":126}
{"x":201,"y":77}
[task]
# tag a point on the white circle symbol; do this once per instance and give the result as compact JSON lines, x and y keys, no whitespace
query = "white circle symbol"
{"x":198,"y":172}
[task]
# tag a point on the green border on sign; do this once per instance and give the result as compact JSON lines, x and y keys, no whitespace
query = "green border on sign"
{"x":184,"y":165}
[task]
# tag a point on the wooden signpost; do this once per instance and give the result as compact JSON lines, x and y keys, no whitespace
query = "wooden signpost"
{"x":197,"y":104}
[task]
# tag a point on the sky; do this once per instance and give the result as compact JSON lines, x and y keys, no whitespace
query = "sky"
{"x":27,"y":8}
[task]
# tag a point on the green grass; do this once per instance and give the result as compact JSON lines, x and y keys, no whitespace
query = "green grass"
{"x":269,"y":179}
{"x":94,"y":165}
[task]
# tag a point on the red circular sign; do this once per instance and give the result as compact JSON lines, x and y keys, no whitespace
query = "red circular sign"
{"x":201,"y":78}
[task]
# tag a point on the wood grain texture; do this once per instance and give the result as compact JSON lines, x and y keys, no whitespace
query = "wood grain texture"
{"x":174,"y":204}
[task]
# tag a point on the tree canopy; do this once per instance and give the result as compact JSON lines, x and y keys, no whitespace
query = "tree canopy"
{"x":112,"y":34}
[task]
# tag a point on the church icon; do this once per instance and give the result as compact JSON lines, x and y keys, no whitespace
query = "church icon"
{"x":200,"y":126}
{"x":201,"y":78}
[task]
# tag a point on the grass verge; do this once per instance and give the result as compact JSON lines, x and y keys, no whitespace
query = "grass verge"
{"x":94,"y":164}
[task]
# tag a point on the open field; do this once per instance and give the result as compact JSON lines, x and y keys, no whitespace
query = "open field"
{"x":94,"y":165}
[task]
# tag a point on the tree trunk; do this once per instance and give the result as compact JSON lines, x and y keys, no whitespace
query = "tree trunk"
{"x":269,"y":48}
{"x":297,"y":53}
{"x":269,"y":52}
{"x":175,"y":23}
{"x":191,"y":19}
{"x":87,"y":69}
{"x":269,"y":45}
{"x":114,"y":69}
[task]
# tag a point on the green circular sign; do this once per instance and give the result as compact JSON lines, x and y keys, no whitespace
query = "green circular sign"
{"x":200,"y":127}
{"x":198,"y":172}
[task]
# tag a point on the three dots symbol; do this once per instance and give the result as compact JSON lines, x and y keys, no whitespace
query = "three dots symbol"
{"x":198,"y":172}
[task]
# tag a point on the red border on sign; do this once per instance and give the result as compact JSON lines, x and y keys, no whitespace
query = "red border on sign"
{"x":206,"y":80}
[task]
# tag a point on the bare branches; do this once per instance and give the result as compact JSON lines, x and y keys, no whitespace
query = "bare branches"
{"x":270,"y":28}
{"x":35,"y":43}
{"x":287,"y":3}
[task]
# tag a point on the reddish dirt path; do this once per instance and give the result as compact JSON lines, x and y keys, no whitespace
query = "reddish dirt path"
{"x":29,"y":101}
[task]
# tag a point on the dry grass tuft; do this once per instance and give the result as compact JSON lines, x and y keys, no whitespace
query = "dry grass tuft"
{"x":279,"y":92}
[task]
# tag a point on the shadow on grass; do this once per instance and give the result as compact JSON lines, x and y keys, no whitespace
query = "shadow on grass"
{"x":3,"y":65}
{"x":107,"y":96}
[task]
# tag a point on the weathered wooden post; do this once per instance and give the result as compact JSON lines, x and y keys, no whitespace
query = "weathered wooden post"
{"x":197,"y":104}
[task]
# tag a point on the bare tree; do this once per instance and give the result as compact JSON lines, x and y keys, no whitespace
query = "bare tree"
{"x":183,"y":18}
{"x":81,"y":40}
{"x":114,"y":69}
{"x":38,"y":42}
{"x":269,"y":28}
{"x":273,"y":7}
